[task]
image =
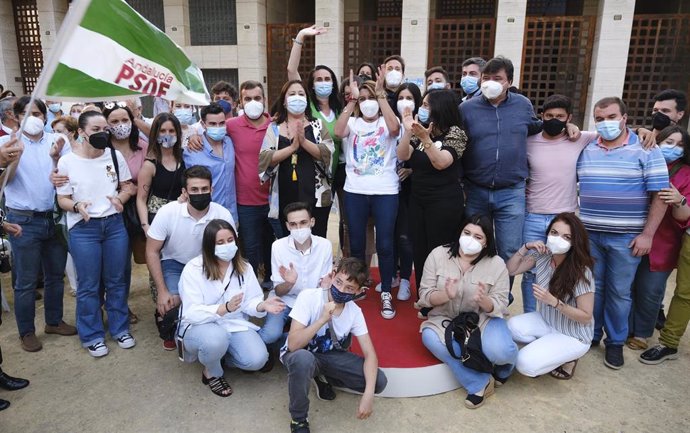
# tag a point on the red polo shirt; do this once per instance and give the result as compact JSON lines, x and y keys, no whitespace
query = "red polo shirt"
{"x":247,"y":139}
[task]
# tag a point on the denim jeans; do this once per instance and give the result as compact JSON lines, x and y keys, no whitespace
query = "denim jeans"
{"x":614,"y":271}
{"x":99,"y":248}
{"x":256,"y":236}
{"x":341,"y":369}
{"x":37,"y":248}
{"x":172,"y":269}
{"x":534,"y":230}
{"x":272,"y":330}
{"x":384,"y":209}
{"x":647,"y":294}
{"x":497,"y":344}
{"x":210,"y":342}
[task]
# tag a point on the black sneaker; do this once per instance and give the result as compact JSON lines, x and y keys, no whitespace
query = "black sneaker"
{"x":387,"y":308}
{"x":594,"y":343}
{"x":299,"y":426}
{"x":658,"y":354}
{"x":324,"y":390}
{"x":614,"y":357}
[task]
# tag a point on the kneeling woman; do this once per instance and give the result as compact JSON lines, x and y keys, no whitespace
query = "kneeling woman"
{"x":468,"y":276}
{"x":219,"y":292}
{"x":560,"y":331}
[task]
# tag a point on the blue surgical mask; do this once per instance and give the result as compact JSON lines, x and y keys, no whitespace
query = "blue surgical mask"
{"x":216,"y":133}
{"x":342,"y":298}
{"x":469,"y":84}
{"x":423,"y":115}
{"x":167,"y":141}
{"x":226,"y":252}
{"x":184,"y":115}
{"x":671,"y":152}
{"x":55,"y":108}
{"x":609,"y":129}
{"x":323,"y":89}
{"x":436,"y":86}
{"x":296,"y":104}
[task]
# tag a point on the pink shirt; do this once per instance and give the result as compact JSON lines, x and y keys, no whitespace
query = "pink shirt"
{"x":136,"y":160}
{"x":247,"y":139}
{"x":552,"y":183}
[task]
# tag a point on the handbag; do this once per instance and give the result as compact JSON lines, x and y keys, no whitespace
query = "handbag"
{"x":465,"y":330}
{"x":129,"y":211}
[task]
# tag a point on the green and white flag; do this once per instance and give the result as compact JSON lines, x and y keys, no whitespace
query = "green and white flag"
{"x":106,"y":50}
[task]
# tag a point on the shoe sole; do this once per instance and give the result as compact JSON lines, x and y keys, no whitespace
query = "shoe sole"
{"x":128,"y":345}
{"x":660,"y":360}
{"x":613,"y":367}
{"x":404,"y":298}
{"x":64,"y":334}
{"x":387,"y":315}
{"x":99,"y":354}
{"x":488,"y":392}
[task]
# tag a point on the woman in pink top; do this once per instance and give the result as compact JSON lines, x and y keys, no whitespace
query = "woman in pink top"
{"x":649,"y":286}
{"x":124,"y":137}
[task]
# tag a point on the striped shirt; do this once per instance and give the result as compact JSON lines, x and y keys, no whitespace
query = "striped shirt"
{"x":554,"y":318}
{"x":615,"y":185}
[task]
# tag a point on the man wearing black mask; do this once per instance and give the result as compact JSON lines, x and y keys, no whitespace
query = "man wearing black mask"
{"x":669,"y":109}
{"x":174,"y":238}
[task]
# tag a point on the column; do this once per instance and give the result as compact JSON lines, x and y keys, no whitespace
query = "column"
{"x":10,"y":74}
{"x":51,"y":13}
{"x":510,"y":33}
{"x":330,"y":46}
{"x":251,"y":41}
{"x":415,"y":39}
{"x":610,"y":54}
{"x":177,"y":21}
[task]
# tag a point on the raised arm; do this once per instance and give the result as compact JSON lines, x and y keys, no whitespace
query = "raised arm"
{"x":296,"y":52}
{"x":392,"y":122}
{"x":340,"y":129}
{"x":404,"y":149}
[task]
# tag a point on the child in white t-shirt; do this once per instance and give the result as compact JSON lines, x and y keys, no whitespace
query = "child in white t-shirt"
{"x":323,"y":321}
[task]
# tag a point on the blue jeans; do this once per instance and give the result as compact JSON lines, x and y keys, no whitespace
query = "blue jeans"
{"x":272,"y":330}
{"x":497,"y":344}
{"x":209,"y":343}
{"x":535,"y":230}
{"x":37,"y":248}
{"x":647,"y":294}
{"x":384,"y":209}
{"x":100,"y":250}
{"x":614,"y":271}
{"x":256,"y":236}
{"x":506,"y":208}
{"x":172,"y":269}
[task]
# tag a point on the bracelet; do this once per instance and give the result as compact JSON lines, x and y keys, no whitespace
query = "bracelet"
{"x":297,"y":42}
{"x":226,"y":307}
{"x":75,"y":206}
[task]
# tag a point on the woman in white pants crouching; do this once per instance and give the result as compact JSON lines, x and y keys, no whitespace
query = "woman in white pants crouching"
{"x":560,"y":331}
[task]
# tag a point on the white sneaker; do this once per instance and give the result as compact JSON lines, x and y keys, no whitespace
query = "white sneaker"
{"x":395,"y":282}
{"x":387,"y":309}
{"x":126,"y":341}
{"x":98,"y":350}
{"x":404,"y":290}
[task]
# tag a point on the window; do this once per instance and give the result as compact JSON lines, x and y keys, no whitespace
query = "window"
{"x":152,"y":10}
{"x":213,"y":22}
{"x":28,"y":42}
{"x":212,"y":76}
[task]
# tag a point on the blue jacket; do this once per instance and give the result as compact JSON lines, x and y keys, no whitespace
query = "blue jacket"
{"x":496,"y":153}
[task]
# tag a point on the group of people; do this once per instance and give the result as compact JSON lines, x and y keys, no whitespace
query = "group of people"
{"x":468,"y":193}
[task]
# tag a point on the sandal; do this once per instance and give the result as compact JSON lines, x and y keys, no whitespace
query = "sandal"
{"x":219,"y":386}
{"x":560,"y":373}
{"x":636,"y":343}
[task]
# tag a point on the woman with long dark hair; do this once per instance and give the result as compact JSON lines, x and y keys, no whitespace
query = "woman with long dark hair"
{"x":219,"y":292}
{"x":561,"y":330}
{"x":296,"y":156}
{"x":467,"y":276}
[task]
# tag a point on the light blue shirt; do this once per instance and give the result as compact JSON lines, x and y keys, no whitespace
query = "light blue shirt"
{"x":30,"y":188}
{"x":222,"y":172}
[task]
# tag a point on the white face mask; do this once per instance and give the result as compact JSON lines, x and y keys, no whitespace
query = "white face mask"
{"x":492,"y":89}
{"x":253,"y":109}
{"x":394,"y":78}
{"x":33,"y":125}
{"x":470,"y":245}
{"x":557,"y":245}
{"x":436,"y":86}
{"x":226,"y":252}
{"x":404,"y":104}
{"x":369,"y":108}
{"x":296,"y":104}
{"x":301,"y":235}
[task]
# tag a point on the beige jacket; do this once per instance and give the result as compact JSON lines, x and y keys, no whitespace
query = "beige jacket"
{"x":439,"y":267}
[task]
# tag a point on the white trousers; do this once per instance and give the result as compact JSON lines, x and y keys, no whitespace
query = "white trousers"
{"x":545,"y":347}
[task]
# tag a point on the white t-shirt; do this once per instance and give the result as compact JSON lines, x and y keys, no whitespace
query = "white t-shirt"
{"x":370,"y":158}
{"x":311,"y":265}
{"x":92,"y":180}
{"x":181,"y":232}
{"x":308,"y":308}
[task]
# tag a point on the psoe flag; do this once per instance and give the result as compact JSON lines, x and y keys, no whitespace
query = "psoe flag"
{"x":106,"y":50}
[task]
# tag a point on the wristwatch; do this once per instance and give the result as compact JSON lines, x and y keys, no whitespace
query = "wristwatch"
{"x":427,"y":144}
{"x":683,"y":202}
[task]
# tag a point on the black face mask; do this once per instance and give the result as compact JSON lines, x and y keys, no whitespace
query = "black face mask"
{"x":554,"y":127}
{"x":365,"y":77}
{"x":200,"y":201}
{"x":660,"y":121}
{"x":99,"y":140}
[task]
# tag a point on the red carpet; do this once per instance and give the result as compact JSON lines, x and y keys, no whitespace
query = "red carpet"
{"x":398,"y":342}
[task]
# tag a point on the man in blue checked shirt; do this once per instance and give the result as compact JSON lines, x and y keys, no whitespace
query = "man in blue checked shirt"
{"x":619,"y":205}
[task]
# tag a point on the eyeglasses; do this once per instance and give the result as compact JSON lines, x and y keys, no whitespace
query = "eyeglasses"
{"x":111,"y":105}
